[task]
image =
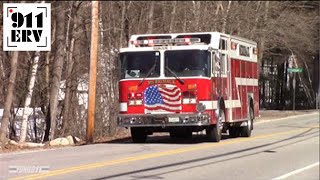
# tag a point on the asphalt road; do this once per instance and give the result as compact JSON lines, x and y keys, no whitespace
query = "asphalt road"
{"x":280,"y":149}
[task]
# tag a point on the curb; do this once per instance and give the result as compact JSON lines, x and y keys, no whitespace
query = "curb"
{"x":284,"y":118}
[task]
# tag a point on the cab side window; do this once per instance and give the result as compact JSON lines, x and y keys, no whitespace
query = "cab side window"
{"x":223,"y":44}
{"x":220,"y":64}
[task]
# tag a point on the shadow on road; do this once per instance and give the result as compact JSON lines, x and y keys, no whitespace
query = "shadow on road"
{"x":165,"y":139}
{"x":305,"y":134}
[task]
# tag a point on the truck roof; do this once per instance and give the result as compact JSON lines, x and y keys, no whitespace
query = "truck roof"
{"x":173,"y":35}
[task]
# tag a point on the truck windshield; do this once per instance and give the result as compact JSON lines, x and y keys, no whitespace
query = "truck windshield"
{"x":188,"y":62}
{"x":140,"y":64}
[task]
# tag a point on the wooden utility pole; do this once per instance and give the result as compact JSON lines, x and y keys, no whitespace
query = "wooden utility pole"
{"x":93,"y":70}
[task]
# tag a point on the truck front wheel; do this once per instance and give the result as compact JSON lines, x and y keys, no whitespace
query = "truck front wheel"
{"x":138,"y":135}
{"x":214,"y":132}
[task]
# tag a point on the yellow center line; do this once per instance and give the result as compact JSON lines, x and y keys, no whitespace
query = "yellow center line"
{"x":152,"y":155}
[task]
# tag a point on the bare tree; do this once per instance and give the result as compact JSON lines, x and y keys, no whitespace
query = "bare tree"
{"x":69,"y":68}
{"x":218,"y":9}
{"x":9,"y":99}
{"x":26,"y":109}
{"x":196,"y":14}
{"x":262,"y":40}
{"x":173,"y":15}
{"x":225,"y":18}
{"x":150,"y":18}
{"x":57,"y":66}
{"x":123,"y":11}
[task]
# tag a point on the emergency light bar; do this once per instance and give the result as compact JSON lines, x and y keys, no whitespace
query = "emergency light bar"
{"x":153,"y":42}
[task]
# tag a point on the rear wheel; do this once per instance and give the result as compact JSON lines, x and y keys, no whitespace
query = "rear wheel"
{"x":138,"y":135}
{"x":214,"y":132}
{"x":234,"y":131}
{"x":246,"y":130}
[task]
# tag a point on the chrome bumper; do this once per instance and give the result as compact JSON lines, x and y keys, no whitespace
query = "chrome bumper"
{"x":163,"y":120}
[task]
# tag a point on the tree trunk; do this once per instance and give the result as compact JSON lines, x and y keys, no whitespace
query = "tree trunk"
{"x":47,"y":98}
{"x":47,"y":78}
{"x":238,"y":29}
{"x":216,"y":24}
{"x":261,"y":49}
{"x":9,"y":99}
{"x":67,"y":98}
{"x":3,"y":75}
{"x":263,"y":95}
{"x":219,"y":6}
{"x":173,"y":15}
{"x":306,"y":90}
{"x":140,"y":19}
{"x":103,"y":102}
{"x":2,"y":71}
{"x":225,"y":18}
{"x":309,"y":79}
{"x":164,"y":17}
{"x":196,"y":15}
{"x":205,"y":16}
{"x":69,"y":67}
{"x":150,"y":18}
{"x":185,"y":19}
{"x":127,"y":30}
{"x":123,"y":13}
{"x":2,"y":78}
{"x":256,"y":21}
{"x":27,"y":109}
{"x":47,"y":67}
{"x":57,"y":67}
{"x":283,"y":81}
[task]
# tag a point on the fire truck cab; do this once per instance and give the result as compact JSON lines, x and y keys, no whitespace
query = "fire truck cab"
{"x":188,"y":82}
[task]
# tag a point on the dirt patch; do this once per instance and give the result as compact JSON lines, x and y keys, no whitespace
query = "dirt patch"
{"x":121,"y":135}
{"x":13,"y":148}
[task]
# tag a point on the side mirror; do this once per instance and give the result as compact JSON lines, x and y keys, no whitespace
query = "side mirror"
{"x":217,"y":61}
{"x":217,"y":55}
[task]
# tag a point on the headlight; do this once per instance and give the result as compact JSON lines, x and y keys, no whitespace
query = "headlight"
{"x":135,"y":102}
{"x":131,"y":102}
{"x":201,"y":107}
{"x":189,"y":100}
{"x":138,"y":102}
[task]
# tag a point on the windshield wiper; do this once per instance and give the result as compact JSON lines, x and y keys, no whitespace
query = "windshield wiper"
{"x":149,"y":72}
{"x":174,"y":75}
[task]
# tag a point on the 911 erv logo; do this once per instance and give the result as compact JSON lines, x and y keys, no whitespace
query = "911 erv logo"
{"x":26,"y":27}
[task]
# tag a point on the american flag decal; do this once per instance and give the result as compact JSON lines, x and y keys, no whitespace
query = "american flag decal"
{"x":162,"y":98}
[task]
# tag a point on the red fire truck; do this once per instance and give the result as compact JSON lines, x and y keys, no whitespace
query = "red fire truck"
{"x":188,"y":82}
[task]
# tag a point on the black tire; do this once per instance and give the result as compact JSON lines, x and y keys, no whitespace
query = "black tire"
{"x":138,"y":135}
{"x":246,"y":130}
{"x":214,"y":132}
{"x":234,"y":132}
